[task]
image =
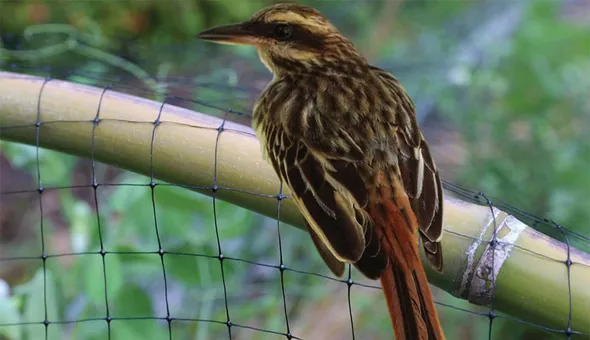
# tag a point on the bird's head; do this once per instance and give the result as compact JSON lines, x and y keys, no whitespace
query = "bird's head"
{"x":288,"y":38}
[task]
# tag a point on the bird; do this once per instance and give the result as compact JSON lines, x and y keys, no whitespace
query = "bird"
{"x":342,"y":135}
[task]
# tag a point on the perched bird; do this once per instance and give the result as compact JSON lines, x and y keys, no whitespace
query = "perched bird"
{"x":342,"y":134}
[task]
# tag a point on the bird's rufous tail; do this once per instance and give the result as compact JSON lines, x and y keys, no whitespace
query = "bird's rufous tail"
{"x":404,"y":282}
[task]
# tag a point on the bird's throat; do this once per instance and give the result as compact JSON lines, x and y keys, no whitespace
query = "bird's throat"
{"x":297,"y":62}
{"x":311,"y":63}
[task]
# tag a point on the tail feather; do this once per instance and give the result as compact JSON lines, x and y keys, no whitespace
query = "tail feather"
{"x":404,"y":281}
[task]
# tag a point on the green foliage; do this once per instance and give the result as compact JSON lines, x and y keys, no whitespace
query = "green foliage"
{"x":41,"y":303}
{"x":9,"y":314}
{"x":530,"y":112}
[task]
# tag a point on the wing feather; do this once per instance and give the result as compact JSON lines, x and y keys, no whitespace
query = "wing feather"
{"x":328,"y":210}
{"x":419,"y":175}
{"x":335,"y":265}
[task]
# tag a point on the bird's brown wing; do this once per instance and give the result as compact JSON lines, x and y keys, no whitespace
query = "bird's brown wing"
{"x":328,"y":192}
{"x":419,"y":175}
{"x":336,"y":266}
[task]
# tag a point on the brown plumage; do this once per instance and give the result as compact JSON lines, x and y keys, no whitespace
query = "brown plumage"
{"x":342,"y":135}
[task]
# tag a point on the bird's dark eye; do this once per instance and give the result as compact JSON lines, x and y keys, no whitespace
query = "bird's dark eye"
{"x":283,"y":31}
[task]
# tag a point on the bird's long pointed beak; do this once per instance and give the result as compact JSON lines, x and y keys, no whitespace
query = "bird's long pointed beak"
{"x":235,"y":34}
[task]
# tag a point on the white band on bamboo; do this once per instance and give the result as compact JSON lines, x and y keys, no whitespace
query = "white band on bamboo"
{"x":470,"y":254}
{"x":481,"y":290}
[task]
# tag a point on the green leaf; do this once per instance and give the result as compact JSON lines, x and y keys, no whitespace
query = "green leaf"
{"x":9,"y":315}
{"x":94,"y":277}
{"x":114,"y":273}
{"x":184,"y":267}
{"x":175,"y":209}
{"x":139,"y":266}
{"x":232,"y":221}
{"x":132,"y":256}
{"x":124,"y":330}
{"x":82,"y":225}
{"x":55,"y":167}
{"x":125,"y":196}
{"x":20,"y":155}
{"x":92,"y":270}
{"x":92,"y":67}
{"x":42,"y":295}
{"x":90,"y":330}
{"x":133,"y":302}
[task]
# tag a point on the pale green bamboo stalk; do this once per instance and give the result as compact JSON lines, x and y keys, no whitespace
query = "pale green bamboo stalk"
{"x":531,"y":286}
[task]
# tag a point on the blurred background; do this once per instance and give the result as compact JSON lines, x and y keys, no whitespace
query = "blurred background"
{"x":501,"y":88}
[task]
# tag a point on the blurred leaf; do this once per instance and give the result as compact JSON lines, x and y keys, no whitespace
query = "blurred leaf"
{"x":114,"y":273}
{"x":89,"y":73}
{"x":42,"y":298}
{"x":55,"y":167}
{"x":21,"y":155}
{"x":184,"y":268}
{"x":90,"y":330}
{"x":138,"y":266}
{"x":133,"y":302}
{"x":94,"y":273}
{"x":232,"y":221}
{"x":94,"y":287}
{"x":136,"y":220}
{"x":125,"y":196}
{"x":124,"y":331}
{"x":9,"y":316}
{"x":81,"y":219}
{"x":176,"y":209}
{"x":134,"y":255}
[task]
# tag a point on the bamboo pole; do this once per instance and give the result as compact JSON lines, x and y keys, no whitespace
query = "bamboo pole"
{"x":531,"y":285}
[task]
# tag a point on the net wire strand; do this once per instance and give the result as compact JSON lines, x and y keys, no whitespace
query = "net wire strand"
{"x":349,"y":283}
{"x":161,"y":250}
{"x":103,"y":252}
{"x":214,"y":190}
{"x":38,"y":124}
{"x":479,"y":197}
{"x":493,"y":244}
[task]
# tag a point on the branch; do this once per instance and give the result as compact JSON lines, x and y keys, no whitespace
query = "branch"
{"x":189,"y":147}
